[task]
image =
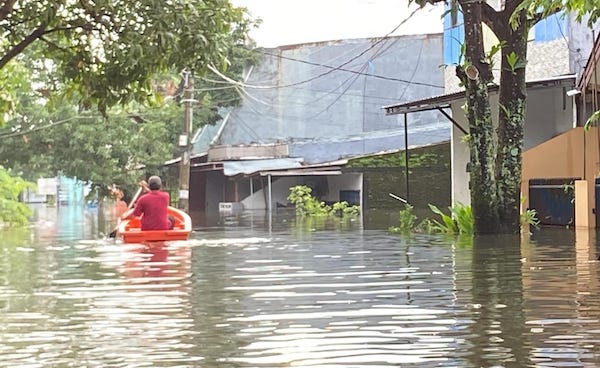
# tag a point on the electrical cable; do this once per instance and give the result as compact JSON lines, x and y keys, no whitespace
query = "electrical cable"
{"x":241,"y":84}
{"x":49,"y":125}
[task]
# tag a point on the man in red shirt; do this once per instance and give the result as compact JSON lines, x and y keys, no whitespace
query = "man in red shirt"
{"x":152,"y":206}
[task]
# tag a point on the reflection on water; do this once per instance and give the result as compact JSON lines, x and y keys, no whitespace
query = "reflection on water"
{"x":295,"y":295}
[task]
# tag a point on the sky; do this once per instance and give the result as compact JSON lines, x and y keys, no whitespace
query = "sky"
{"x":288,"y":22}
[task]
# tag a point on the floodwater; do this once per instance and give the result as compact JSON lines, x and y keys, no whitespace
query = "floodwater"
{"x":257,"y":293}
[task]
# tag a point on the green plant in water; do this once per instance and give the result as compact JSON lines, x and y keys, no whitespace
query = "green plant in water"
{"x":307,"y":205}
{"x":569,"y":189}
{"x":529,"y":217}
{"x":407,"y":221}
{"x":459,"y":221}
{"x":344,"y":209}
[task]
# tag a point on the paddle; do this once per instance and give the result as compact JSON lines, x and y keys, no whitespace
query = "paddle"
{"x":113,"y":233}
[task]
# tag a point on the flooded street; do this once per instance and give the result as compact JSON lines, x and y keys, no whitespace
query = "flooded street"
{"x":251,"y":295}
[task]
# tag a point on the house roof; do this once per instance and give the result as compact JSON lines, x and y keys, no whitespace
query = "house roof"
{"x":176,"y":160}
{"x":443,"y":101}
{"x":274,"y":167}
{"x":591,"y":69}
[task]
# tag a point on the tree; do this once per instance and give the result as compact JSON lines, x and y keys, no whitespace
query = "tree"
{"x":106,"y":52}
{"x":495,"y":173}
{"x":11,"y":211}
{"x":83,"y":54}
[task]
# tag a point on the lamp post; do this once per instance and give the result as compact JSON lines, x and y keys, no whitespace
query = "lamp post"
{"x":184,"y":141}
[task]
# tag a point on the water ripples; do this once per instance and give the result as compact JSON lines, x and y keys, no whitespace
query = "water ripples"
{"x":322,"y":299}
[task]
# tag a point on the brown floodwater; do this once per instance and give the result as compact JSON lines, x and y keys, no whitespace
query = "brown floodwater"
{"x":254,"y":291}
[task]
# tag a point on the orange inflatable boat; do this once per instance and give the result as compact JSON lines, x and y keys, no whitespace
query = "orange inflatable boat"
{"x":131,"y":229}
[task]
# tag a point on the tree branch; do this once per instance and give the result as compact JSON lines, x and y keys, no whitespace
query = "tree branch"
{"x":17,"y":49}
{"x":6,"y":8}
{"x":56,"y":46}
{"x":492,"y":18}
{"x":539,"y":16}
{"x":511,"y":5}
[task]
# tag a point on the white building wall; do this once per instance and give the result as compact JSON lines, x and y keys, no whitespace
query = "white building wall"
{"x":351,"y":181}
{"x":280,"y":189}
{"x":459,"y":158}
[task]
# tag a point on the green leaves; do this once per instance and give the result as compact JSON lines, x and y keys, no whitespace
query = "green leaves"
{"x":459,"y":221}
{"x":307,"y":205}
{"x":593,"y":120}
{"x":408,"y":221}
{"x":124,"y":63}
{"x":580,"y":8}
{"x":514,"y":62}
{"x":106,"y":52}
{"x":12,"y":212}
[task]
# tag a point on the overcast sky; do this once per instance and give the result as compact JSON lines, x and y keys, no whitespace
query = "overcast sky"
{"x":287,"y":22}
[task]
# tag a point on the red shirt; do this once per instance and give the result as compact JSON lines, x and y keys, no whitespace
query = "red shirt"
{"x":153,"y":207}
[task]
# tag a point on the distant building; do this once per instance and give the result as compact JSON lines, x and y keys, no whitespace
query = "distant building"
{"x":309,"y":108}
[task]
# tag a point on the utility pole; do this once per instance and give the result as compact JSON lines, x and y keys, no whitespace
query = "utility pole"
{"x":184,"y":141}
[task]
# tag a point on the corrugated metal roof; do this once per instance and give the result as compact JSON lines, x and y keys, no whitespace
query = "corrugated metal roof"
{"x":232,"y":168}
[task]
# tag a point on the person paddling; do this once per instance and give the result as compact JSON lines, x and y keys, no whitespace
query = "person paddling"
{"x":152,"y":206}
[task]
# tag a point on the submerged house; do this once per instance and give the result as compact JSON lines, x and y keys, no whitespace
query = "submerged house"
{"x":561,"y":159}
{"x":309,"y":108}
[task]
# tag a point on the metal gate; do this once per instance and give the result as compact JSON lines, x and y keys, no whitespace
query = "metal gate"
{"x":597,"y":201}
{"x":553,"y":200}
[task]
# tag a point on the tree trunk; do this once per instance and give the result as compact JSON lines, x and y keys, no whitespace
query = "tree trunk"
{"x":511,"y":121}
{"x":484,"y":196}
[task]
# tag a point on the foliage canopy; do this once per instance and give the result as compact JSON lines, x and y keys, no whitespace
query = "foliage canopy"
{"x":11,"y":211}
{"x":60,"y":58}
{"x":107,"y":52}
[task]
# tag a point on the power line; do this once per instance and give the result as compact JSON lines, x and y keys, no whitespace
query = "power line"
{"x":331,"y":69}
{"x":377,"y":54}
{"x":354,"y":71}
{"x":354,"y":79}
{"x":51,"y":124}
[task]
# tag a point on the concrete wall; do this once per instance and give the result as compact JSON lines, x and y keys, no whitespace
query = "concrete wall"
{"x":549,"y":113}
{"x":222,"y":153}
{"x":581,"y":42}
{"x":309,"y":101}
{"x":574,"y":154}
{"x":350,"y":181}
{"x":215,"y":184}
{"x":560,"y":157}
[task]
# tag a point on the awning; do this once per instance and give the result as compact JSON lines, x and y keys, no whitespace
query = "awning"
{"x":178,"y":159}
{"x":443,"y":101}
{"x":303,"y":172}
{"x":232,"y":168}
